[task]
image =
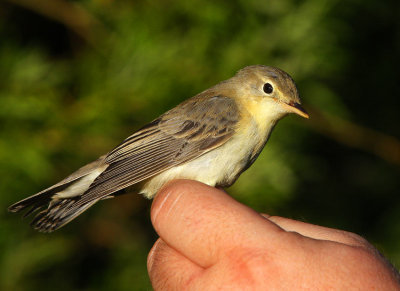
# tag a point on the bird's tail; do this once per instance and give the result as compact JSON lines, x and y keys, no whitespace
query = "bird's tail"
{"x":61,"y":203}
{"x":58,"y":213}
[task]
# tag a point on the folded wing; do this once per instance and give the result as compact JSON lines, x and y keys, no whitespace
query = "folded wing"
{"x":180,"y":135}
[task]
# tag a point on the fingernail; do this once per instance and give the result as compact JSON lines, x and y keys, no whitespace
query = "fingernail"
{"x":265,"y":215}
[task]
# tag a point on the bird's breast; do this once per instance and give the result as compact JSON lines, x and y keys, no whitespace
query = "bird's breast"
{"x":220,"y":166}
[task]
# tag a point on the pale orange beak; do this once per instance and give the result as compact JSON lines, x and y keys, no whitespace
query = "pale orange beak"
{"x":296,"y":108}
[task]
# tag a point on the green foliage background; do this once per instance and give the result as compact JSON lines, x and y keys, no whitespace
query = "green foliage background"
{"x":77,"y":77}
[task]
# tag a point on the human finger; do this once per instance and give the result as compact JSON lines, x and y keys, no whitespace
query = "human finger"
{"x":204,"y":223}
{"x":168,"y":269}
{"x":319,"y":232}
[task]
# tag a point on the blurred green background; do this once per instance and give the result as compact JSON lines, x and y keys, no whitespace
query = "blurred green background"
{"x":77,"y":77}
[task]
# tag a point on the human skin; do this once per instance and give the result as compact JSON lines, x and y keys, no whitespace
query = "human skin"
{"x":209,"y":241}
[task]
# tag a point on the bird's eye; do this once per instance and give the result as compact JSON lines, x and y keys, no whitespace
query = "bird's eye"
{"x":268,"y":88}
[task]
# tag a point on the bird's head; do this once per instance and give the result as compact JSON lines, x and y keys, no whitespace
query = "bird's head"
{"x":270,"y":88}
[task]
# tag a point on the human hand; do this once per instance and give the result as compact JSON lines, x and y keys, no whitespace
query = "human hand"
{"x":209,"y":241}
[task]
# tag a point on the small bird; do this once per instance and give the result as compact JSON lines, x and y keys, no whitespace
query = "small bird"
{"x":212,"y":138}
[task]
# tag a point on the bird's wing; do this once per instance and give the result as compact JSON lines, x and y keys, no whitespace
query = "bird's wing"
{"x":180,"y":135}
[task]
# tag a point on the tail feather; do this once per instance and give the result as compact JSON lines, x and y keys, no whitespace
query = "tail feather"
{"x":59,"y":213}
{"x":62,"y":202}
{"x":52,"y":213}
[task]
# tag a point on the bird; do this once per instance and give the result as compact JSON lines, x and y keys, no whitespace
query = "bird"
{"x":212,"y":137}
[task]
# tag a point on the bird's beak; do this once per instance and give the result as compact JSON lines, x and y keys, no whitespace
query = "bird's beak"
{"x":294,"y":107}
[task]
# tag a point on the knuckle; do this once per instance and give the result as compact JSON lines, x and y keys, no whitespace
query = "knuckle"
{"x":247,"y":265}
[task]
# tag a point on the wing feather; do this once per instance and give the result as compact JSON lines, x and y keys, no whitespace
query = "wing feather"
{"x":180,"y":135}
{"x":184,"y":133}
{"x":39,"y":199}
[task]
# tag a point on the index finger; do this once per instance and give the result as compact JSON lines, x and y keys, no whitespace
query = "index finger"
{"x":319,"y":232}
{"x":204,"y":223}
